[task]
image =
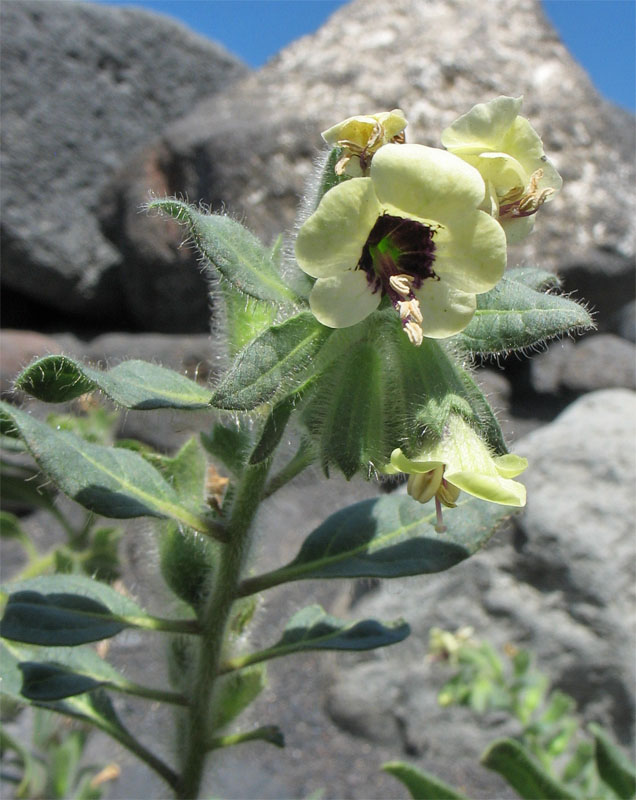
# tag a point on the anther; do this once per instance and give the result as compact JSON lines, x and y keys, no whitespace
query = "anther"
{"x":401,"y":284}
{"x":414,"y":332}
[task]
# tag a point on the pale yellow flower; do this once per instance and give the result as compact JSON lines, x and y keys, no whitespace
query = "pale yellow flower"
{"x":508,"y":153}
{"x":361,"y":137}
{"x":411,"y":231}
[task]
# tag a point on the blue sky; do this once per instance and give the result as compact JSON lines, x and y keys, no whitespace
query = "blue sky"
{"x":601,"y":34}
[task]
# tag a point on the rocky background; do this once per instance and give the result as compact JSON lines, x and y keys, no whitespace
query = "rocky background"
{"x":103,"y":107}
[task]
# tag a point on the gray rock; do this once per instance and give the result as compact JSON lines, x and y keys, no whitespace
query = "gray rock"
{"x":566,"y":591}
{"x":604,"y":361}
{"x":82,"y":86}
{"x":624,"y":321}
{"x":251,"y":150}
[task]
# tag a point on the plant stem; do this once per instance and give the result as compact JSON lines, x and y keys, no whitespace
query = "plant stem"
{"x":303,"y":458}
{"x":214,"y":621}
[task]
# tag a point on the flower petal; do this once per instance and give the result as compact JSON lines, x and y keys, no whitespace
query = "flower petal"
{"x":510,"y":465}
{"x":331,"y":240}
{"x":425,"y":182}
{"x":517,"y":228}
{"x":343,"y":300}
{"x":471,"y":253}
{"x":400,"y":463}
{"x":486,"y":487}
{"x":445,"y":310}
{"x":485,"y":124}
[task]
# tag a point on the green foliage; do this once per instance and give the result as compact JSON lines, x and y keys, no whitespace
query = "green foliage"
{"x":186,"y":560}
{"x":421,"y":785}
{"x":230,"y":444}
{"x":52,"y":766}
{"x":234,"y":693}
{"x":71,"y":609}
{"x":64,"y":619}
{"x":551,"y":757}
{"x":387,"y":537}
{"x":328,"y":177}
{"x":110,"y":481}
{"x":613,"y":766}
{"x":231,"y":251}
{"x":518,"y":314}
{"x":132,"y":384}
{"x":515,"y":764}
{"x":276,"y":363}
{"x":313,"y":629}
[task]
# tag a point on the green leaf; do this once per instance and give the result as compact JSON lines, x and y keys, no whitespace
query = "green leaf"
{"x":236,"y":692}
{"x":541,"y":280}
{"x":244,"y":319}
{"x":49,"y":682}
{"x":132,"y":384}
{"x":185,"y":472}
{"x":271,"y":734}
{"x":231,"y":250}
{"x":313,"y":629}
{"x":10,"y":527}
{"x":613,"y":766}
{"x":24,"y":489}
{"x":93,"y":707}
{"x":328,"y":177}
{"x":230,"y":444}
{"x":82,"y":607}
{"x":62,"y":672}
{"x":421,"y":785}
{"x":187,"y":560}
{"x":52,"y":673}
{"x":110,"y":481}
{"x":349,"y":413}
{"x":515,"y":764}
{"x":57,"y":619}
{"x":387,"y":537}
{"x":272,"y":431}
{"x":372,"y":389}
{"x":513,"y":316}
{"x":96,"y":426}
{"x":275,"y":364}
{"x":101,"y":560}
{"x":10,"y":675}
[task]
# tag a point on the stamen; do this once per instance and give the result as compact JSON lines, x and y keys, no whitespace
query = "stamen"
{"x":401,"y":284}
{"x":519,"y":203}
{"x":416,"y":313}
{"x":414,"y":332}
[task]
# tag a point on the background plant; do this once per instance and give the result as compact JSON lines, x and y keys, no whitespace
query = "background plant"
{"x":552,"y":755}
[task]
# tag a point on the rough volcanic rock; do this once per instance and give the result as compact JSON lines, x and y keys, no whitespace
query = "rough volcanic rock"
{"x":565,"y":590}
{"x":251,"y":149}
{"x":82,"y":86}
{"x":604,"y":361}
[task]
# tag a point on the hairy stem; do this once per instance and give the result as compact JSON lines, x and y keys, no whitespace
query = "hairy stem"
{"x":214,"y":622}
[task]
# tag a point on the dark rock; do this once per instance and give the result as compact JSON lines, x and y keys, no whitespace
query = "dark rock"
{"x":251,"y":149}
{"x":603,"y":361}
{"x":82,"y":86}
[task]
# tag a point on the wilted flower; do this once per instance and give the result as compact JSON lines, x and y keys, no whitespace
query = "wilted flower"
{"x":411,"y":231}
{"x":460,"y":461}
{"x":509,"y":155}
{"x":360,"y":137}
